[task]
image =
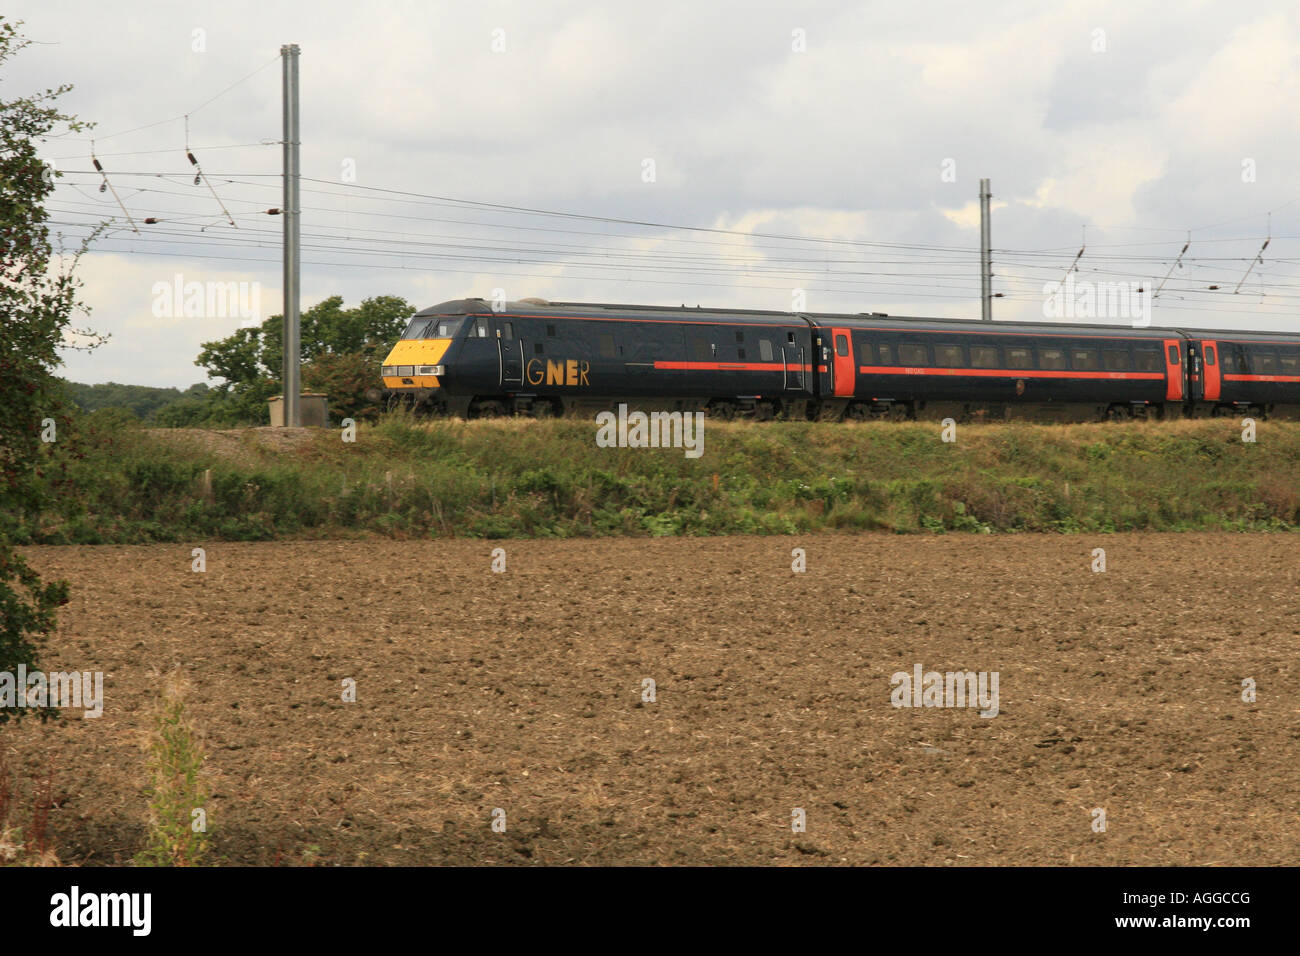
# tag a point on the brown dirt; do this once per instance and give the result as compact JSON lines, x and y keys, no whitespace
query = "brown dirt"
{"x":522,"y":691}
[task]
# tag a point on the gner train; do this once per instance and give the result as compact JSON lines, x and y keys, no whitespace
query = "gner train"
{"x":471,"y":359}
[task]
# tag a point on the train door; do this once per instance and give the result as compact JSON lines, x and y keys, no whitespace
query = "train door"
{"x":1174,"y":370}
{"x":510,"y":354}
{"x":1211,"y":377}
{"x":823,"y":368}
{"x":793,"y":357}
{"x":842,"y":349}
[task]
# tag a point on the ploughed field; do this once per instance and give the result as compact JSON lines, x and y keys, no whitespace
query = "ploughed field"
{"x":524,"y":691}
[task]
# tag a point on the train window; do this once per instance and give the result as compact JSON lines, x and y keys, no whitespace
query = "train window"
{"x":912,"y":353}
{"x":550,"y":330}
{"x":445,"y":329}
{"x":1019,"y":358}
{"x":1227,"y":359}
{"x":507,"y":330}
{"x":605,"y":341}
{"x":885,"y":353}
{"x":948,"y":356}
{"x":1117,"y":360}
{"x":789,"y":338}
{"x":1290,"y":364}
{"x":700,"y":350}
{"x":740,"y":337}
{"x":1051,"y":358}
{"x":1148,"y":360}
{"x":1173,"y":355}
{"x":866,"y":354}
{"x":1209,"y":355}
{"x":1263,"y":363}
{"x":1085,"y":360}
{"x":537,"y":348}
{"x":481,"y":328}
{"x":841,"y":345}
{"x":983,"y":356}
{"x":765,"y":350}
{"x":740,"y":354}
{"x":416,"y":329}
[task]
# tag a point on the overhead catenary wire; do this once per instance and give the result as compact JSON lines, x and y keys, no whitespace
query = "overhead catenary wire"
{"x":905,"y":269}
{"x":107,"y":184}
{"x":199,"y":177}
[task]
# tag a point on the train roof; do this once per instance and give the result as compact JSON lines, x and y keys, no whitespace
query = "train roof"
{"x":871,"y":320}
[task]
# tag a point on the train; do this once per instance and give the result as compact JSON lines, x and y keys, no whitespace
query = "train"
{"x":471,"y":358}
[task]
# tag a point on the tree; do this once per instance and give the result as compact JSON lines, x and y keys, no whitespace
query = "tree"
{"x":341,"y":351}
{"x":143,"y":400}
{"x":37,"y":302}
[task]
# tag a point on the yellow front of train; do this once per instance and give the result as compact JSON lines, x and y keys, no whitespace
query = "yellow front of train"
{"x":416,"y":362}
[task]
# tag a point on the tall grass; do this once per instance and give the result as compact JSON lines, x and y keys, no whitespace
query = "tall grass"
{"x":409,"y":478}
{"x":25,"y":841}
{"x":177,"y":793}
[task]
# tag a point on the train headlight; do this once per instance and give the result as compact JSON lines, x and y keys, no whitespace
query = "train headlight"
{"x":390,"y":370}
{"x":438,"y":370}
{"x":406,"y":371}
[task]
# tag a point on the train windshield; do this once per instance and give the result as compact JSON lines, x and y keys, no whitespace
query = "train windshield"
{"x":439,"y":327}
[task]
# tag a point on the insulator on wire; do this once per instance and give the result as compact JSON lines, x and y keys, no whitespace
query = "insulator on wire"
{"x":193,"y":161}
{"x":98,"y":167}
{"x":273,"y":212}
{"x":152,"y":220}
{"x":198,"y":178}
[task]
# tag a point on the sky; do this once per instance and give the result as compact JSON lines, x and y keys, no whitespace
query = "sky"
{"x":819,"y":155}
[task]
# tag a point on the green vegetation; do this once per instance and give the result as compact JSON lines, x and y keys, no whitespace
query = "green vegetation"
{"x":342,"y":352}
{"x":38,"y":299}
{"x":406,"y":477}
{"x":143,"y":401}
{"x":177,"y":796}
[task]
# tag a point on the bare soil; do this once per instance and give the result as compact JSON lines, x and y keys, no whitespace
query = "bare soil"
{"x":523,"y":691}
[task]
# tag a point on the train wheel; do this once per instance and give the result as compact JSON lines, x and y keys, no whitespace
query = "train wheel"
{"x":544,"y":408}
{"x":723,"y":411}
{"x":857,"y":412}
{"x":487,"y":409}
{"x":764,"y":411}
{"x":1119,"y":413}
{"x":901,"y":412}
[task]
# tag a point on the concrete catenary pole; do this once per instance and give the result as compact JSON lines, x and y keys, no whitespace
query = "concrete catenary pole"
{"x":292,"y":251}
{"x":986,"y":255}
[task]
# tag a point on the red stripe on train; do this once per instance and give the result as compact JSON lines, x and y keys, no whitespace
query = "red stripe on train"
{"x":729,"y":366}
{"x":1007,"y":373}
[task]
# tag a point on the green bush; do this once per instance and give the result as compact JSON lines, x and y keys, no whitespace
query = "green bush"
{"x":496,"y":479}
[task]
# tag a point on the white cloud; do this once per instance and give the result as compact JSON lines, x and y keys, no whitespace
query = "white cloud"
{"x":844,"y":141}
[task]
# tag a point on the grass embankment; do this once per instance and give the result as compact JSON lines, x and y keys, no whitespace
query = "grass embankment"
{"x":490,"y":479}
